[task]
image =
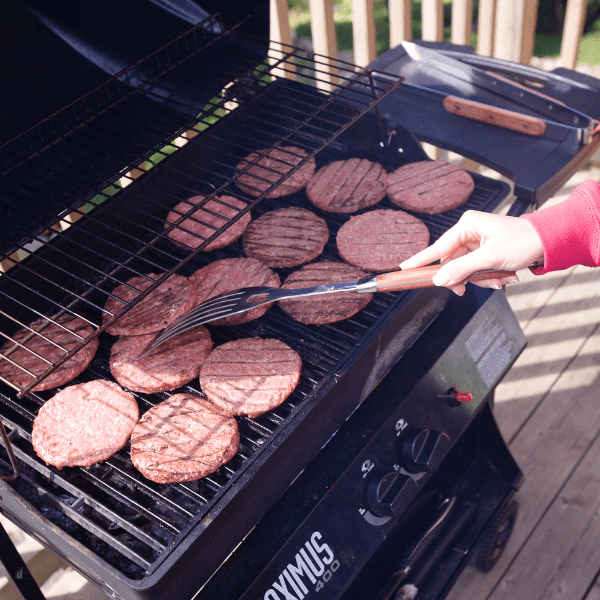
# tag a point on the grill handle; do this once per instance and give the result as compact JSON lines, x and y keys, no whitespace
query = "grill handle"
{"x":494,"y":116}
{"x":422,"y":277}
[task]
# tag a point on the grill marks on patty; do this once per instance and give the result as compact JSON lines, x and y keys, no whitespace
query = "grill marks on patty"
{"x":230,"y":274}
{"x":84,"y":424}
{"x":328,"y":308}
{"x":54,"y":338}
{"x":250,"y":376}
{"x":287,"y":237}
{"x":204,"y":221}
{"x":272,"y":167}
{"x":347,"y":185}
{"x":171,"y":365}
{"x":430,"y":186}
{"x":183,"y":438}
{"x":380,"y":240}
{"x":162,"y":306}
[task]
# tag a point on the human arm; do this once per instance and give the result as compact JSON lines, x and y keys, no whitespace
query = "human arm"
{"x":562,"y":235}
{"x":570,"y":230}
{"x":480,"y":242}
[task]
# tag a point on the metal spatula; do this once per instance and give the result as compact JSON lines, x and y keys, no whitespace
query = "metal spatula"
{"x":239,"y":301}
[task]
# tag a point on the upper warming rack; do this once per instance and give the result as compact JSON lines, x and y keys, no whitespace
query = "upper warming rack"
{"x":174,"y":125}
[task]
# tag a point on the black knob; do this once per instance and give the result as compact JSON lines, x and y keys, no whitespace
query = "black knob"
{"x":423,"y":449}
{"x":389,"y":492}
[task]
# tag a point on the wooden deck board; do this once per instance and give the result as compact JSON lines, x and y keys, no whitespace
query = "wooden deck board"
{"x":594,"y":591}
{"x":548,"y":411}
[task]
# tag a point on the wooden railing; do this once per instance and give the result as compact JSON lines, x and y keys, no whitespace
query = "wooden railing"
{"x":505,"y":28}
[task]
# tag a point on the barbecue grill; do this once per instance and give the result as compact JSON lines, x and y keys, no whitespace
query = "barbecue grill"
{"x":383,"y":468}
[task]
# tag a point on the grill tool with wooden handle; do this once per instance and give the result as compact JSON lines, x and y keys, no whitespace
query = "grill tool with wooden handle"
{"x":239,"y":301}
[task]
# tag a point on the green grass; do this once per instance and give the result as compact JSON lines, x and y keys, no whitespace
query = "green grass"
{"x":546,"y":44}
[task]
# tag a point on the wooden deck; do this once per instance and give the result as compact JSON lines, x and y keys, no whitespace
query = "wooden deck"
{"x":548,"y":409}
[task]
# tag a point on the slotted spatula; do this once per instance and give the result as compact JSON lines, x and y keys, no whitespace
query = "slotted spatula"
{"x":239,"y":301}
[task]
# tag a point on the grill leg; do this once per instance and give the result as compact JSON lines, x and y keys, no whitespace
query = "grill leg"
{"x":16,"y":569}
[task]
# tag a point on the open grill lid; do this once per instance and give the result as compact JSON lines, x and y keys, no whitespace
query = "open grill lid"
{"x":216,"y":89}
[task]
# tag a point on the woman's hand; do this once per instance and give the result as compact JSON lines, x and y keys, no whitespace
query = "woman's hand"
{"x":478,"y":242}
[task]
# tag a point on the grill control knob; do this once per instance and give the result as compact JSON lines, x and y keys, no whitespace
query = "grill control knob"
{"x":389,"y":492}
{"x":423,"y":449}
{"x":455,"y":397}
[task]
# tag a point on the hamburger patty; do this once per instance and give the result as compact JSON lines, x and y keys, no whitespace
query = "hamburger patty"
{"x":250,"y":376}
{"x":231,"y":274}
{"x":84,"y":424}
{"x":59,"y":337}
{"x":167,"y":367}
{"x":182,"y":439}
{"x":429,"y":186}
{"x":161,"y":307}
{"x":345,"y":186}
{"x":203,"y":222}
{"x":380,"y":240}
{"x":271,"y":167}
{"x":328,"y":308}
{"x":287,"y":237}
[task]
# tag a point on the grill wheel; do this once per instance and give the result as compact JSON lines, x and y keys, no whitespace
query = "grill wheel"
{"x":495,"y":538}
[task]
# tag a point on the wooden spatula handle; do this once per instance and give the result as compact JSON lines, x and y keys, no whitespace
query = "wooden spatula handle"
{"x":422,"y":277}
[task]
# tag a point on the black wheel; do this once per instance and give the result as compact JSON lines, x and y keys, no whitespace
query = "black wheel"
{"x":496,"y":537}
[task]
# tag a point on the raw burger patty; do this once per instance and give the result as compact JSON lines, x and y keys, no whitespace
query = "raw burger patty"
{"x":84,"y":424}
{"x":271,"y":168}
{"x":199,"y":222}
{"x":346,"y":186}
{"x":231,"y":274}
{"x":328,"y":308}
{"x":167,"y":367}
{"x":161,"y":307}
{"x":287,"y":237}
{"x":429,"y":186}
{"x":250,"y":376}
{"x":182,"y":439}
{"x":381,"y":239}
{"x":55,"y":332}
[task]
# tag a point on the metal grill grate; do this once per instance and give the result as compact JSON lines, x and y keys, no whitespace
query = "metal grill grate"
{"x":131,"y":522}
{"x":119,"y":171}
{"x":196,"y":107}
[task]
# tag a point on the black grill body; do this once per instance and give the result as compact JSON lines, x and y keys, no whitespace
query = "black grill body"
{"x":331,"y":460}
{"x":201,"y":523}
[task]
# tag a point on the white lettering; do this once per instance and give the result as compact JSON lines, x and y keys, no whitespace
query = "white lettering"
{"x":282,"y":587}
{"x":318,"y":568}
{"x":323,"y":548}
{"x":297,"y":570}
{"x":310,"y":561}
{"x":293,"y":584}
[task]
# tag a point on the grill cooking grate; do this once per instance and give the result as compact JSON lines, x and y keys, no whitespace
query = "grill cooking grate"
{"x":196,"y":107}
{"x":111,"y":510}
{"x":131,"y":522}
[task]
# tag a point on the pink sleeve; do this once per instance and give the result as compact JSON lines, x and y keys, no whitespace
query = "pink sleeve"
{"x":570,"y":230}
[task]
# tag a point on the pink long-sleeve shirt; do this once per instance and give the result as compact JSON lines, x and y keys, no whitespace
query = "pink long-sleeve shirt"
{"x":570,"y":230}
